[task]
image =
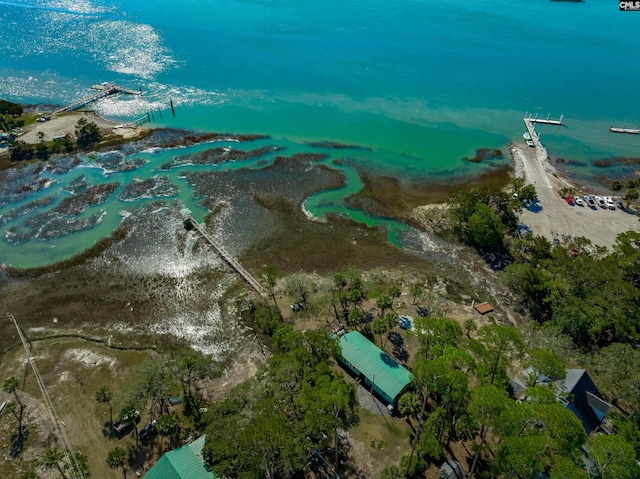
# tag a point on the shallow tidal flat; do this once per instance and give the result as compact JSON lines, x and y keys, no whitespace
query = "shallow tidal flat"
{"x":246,"y":203}
{"x":65,"y":218}
{"x":596,"y":175}
{"x":215,"y":156}
{"x":396,"y":198}
{"x":154,"y":187}
{"x":150,"y":288}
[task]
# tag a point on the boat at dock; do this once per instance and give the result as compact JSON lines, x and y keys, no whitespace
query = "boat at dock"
{"x":526,"y":135}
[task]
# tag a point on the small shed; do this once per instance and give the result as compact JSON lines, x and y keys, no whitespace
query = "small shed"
{"x":483,"y":308}
{"x":380,"y":371}
{"x":185,"y":462}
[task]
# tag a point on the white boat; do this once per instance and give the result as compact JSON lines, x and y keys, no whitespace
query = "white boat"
{"x":526,"y":135}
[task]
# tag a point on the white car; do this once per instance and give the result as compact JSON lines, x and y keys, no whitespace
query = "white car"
{"x":610,"y":204}
{"x":601,"y":202}
{"x":578,"y":201}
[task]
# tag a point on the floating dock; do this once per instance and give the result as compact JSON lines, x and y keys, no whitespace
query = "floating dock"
{"x":628,"y":131}
{"x":105,"y":90}
{"x":546,"y":121}
{"x":231,"y":261}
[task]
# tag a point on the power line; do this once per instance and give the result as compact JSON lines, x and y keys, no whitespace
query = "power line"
{"x":72,"y":462}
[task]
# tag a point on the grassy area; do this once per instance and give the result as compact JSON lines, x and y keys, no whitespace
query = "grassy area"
{"x":30,"y":118}
{"x":72,"y":371}
{"x":378,"y":441}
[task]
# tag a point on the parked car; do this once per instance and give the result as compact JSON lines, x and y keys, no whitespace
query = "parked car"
{"x":589,"y":199}
{"x":148,"y":429}
{"x":570,"y":200}
{"x":578,"y":201}
{"x":601,"y":202}
{"x":619,"y":204}
{"x":127,"y":421}
{"x":610,"y":204}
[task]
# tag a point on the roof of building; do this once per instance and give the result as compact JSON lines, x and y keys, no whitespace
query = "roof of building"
{"x":586,"y":402}
{"x":483,"y":308}
{"x":384,"y":372}
{"x":451,"y":469}
{"x":185,"y":462}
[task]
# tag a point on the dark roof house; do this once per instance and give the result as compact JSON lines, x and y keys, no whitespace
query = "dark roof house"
{"x":579,"y":394}
{"x":380,"y":371}
{"x":576,"y":391}
{"x":185,"y":462}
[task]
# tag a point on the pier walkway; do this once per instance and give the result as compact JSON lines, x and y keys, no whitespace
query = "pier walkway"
{"x":531,"y":128}
{"x":104,"y":91}
{"x":231,"y":261}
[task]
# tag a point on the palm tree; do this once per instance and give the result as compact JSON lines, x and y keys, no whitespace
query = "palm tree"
{"x":384,"y":302}
{"x":10,"y":386}
{"x":104,"y":394}
{"x":381,"y":327}
{"x":167,"y":424}
{"x":79,"y":462}
{"x":51,"y":458}
{"x":117,"y":457}
{"x":395,"y":291}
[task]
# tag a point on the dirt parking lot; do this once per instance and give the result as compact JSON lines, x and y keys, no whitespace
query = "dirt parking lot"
{"x":553,"y":218}
{"x":65,"y":124}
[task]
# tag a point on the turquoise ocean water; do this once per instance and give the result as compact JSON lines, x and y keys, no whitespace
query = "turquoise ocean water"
{"x":419,"y":84}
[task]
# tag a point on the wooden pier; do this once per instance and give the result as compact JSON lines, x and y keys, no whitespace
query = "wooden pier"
{"x":230,"y":260}
{"x":546,"y":121}
{"x":105,"y":90}
{"x":628,"y":131}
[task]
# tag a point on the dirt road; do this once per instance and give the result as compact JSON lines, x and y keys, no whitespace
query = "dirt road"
{"x":553,"y":218}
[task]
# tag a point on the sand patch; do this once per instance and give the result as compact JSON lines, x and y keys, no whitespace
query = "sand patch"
{"x":90,"y":359}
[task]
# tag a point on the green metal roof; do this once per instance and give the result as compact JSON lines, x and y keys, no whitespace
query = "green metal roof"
{"x":382,"y":371}
{"x":183,"y":463}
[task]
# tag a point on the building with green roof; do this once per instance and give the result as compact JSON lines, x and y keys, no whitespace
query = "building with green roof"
{"x":379,"y":370}
{"x":185,"y":462}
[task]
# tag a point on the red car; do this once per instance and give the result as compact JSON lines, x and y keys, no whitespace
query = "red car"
{"x":570,"y":200}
